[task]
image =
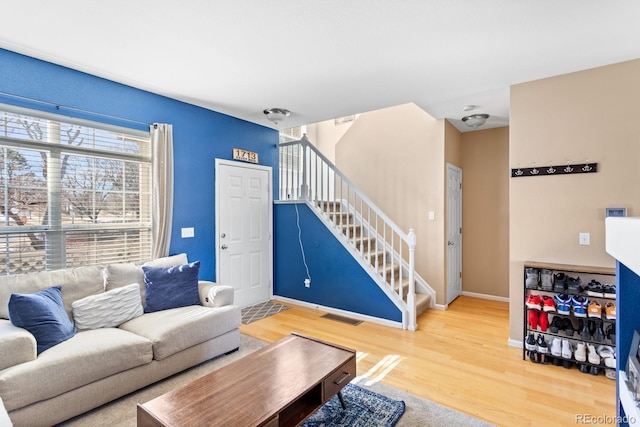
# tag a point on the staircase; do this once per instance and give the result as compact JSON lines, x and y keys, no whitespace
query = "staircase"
{"x":359,"y":236}
{"x":382,"y":248}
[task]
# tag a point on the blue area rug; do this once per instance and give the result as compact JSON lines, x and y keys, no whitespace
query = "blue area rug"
{"x":364,"y":408}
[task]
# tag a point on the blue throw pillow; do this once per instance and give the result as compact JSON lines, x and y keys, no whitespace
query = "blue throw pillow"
{"x":43,"y":315}
{"x":171,"y":287}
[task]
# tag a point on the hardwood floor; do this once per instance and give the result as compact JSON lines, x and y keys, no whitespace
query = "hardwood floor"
{"x":460,"y":358}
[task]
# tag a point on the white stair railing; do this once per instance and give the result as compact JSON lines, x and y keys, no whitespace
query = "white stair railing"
{"x":306,"y":174}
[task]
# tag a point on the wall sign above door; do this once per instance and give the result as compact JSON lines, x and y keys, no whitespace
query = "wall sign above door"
{"x":555,"y":170}
{"x":245,"y":156}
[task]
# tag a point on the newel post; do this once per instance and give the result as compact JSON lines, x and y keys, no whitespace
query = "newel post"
{"x":411,"y":297}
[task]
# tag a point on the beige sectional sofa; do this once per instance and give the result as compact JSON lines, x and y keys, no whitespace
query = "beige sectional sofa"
{"x":98,"y":365}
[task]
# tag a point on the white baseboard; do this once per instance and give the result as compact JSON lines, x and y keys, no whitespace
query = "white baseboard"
{"x":485,"y":296}
{"x":440,"y":307}
{"x":514,"y":343}
{"x":339,"y":312}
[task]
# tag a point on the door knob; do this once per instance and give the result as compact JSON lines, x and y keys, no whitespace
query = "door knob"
{"x":450,"y":243}
{"x":223,"y":235}
{"x":224,"y":246}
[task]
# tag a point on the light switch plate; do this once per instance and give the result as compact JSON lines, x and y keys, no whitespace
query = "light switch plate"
{"x":187,"y":232}
{"x":584,"y":239}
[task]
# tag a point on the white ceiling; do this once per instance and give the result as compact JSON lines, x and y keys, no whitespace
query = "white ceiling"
{"x":324,"y":59}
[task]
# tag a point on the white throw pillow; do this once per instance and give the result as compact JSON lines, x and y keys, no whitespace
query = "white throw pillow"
{"x":168,"y":261}
{"x":108,"y":309}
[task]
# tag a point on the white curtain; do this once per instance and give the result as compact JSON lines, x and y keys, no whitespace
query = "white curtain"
{"x":162,"y":191}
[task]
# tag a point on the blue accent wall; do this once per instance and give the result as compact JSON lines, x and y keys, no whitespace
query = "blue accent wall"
{"x":199,"y":135}
{"x":337,"y":280}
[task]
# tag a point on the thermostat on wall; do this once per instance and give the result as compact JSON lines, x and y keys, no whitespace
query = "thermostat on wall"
{"x":616,"y":212}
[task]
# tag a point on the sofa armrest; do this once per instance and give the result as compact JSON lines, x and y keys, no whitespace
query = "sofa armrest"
{"x":17,"y":345}
{"x":214,"y":295}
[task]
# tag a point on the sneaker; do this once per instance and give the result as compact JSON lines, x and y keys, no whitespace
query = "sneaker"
{"x":530,"y":343}
{"x":608,"y":356}
{"x":594,"y":357}
{"x":532,"y":278}
{"x":585,"y":333}
{"x":581,"y":352}
{"x":595,"y":370}
{"x":533,"y":301}
{"x":574,"y":286}
{"x":534,"y":316}
{"x":543,"y":321}
{"x":548,"y":304}
{"x":567,"y":349}
{"x":584,"y":368}
{"x":611,"y":333}
{"x":556,"y":347}
{"x":563,"y":302}
{"x":594,"y":289}
{"x":610,"y":373}
{"x":594,"y":309}
{"x":579,"y":304}
{"x":598,"y":335}
{"x":542,"y":348}
{"x":556,"y":324}
{"x":609,"y":291}
{"x":610,"y":310}
{"x":559,"y":282}
{"x":546,"y":280}
{"x":567,"y":326}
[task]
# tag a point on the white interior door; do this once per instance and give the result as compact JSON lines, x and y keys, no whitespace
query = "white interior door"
{"x":454,"y":232}
{"x":243,"y":227}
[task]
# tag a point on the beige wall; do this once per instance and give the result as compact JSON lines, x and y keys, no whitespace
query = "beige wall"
{"x":585,"y":116}
{"x":396,"y":156}
{"x":325,"y":135}
{"x":485,"y":207}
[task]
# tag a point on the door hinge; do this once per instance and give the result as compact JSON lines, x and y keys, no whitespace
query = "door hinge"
{"x":461,"y":274}
{"x":460,"y":230}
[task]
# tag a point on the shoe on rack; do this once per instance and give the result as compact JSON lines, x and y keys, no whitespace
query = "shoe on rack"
{"x":584,"y":368}
{"x":559,"y":282}
{"x":608,"y":356}
{"x":543,"y":349}
{"x":548,"y":304}
{"x":556,"y":324}
{"x":595,"y":370}
{"x":581,"y":352}
{"x":534,"y":316}
{"x":532,"y":278}
{"x":567,"y":349}
{"x":610,"y":310}
{"x":567,"y":326}
{"x":593,"y":356}
{"x":574,"y":286}
{"x":546,"y":280}
{"x":533,"y":301}
{"x":530,"y":343}
{"x":579,"y":305}
{"x":594,"y":289}
{"x":567,"y":364}
{"x":585,"y":333}
{"x":598,"y":335}
{"x":563,"y":302}
{"x":543,"y":321}
{"x":534,"y":357}
{"x":609,"y":291}
{"x":594,"y":309}
{"x":611,"y":333}
{"x":556,"y":347}
{"x":610,"y":373}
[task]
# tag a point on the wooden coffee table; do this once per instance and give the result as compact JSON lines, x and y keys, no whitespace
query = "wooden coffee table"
{"x":278,"y":385}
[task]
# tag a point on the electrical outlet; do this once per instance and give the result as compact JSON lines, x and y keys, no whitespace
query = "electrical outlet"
{"x":584,"y":239}
{"x":307,"y":283}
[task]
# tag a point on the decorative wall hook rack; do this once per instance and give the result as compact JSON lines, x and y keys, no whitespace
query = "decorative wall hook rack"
{"x":554,"y":170}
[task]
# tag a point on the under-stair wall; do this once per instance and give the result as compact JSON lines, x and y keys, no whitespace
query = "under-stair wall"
{"x":338,"y":281}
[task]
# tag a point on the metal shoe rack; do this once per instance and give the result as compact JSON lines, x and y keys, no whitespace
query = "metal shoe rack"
{"x":586,"y":274}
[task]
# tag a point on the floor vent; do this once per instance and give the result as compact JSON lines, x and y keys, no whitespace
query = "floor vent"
{"x":342,"y":319}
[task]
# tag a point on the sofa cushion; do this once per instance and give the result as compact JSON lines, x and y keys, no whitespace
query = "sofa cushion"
{"x":108,"y":309}
{"x":76,"y":283}
{"x":123,"y":274}
{"x":174,"y":330}
{"x":87,"y":357}
{"x":171,"y":287}
{"x":18,"y":345}
{"x":43,"y":315}
{"x":168,"y":261}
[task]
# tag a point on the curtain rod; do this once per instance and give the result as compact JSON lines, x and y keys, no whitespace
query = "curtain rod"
{"x":66,"y":107}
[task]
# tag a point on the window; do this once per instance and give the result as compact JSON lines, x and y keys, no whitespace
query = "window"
{"x":72,"y":192}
